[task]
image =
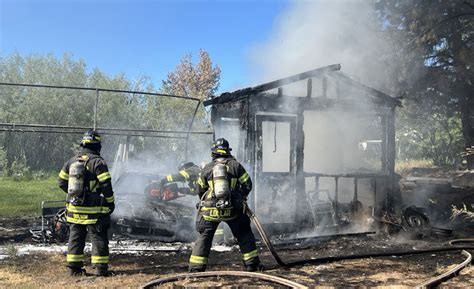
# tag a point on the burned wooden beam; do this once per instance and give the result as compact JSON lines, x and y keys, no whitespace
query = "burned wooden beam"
{"x":372,"y":91}
{"x":239,"y":94}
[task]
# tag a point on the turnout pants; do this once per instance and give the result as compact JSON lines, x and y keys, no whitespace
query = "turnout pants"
{"x":240,"y":227}
{"x":100,"y":244}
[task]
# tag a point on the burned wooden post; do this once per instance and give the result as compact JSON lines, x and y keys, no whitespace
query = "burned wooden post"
{"x":309,"y":88}
{"x":325,"y":87}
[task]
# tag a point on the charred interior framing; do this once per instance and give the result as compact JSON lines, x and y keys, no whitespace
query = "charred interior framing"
{"x":249,"y":107}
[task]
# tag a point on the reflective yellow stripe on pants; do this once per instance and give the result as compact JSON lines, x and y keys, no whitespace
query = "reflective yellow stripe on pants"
{"x":100,"y":259}
{"x":75,"y":257}
{"x":198,"y":260}
{"x":250,"y":255}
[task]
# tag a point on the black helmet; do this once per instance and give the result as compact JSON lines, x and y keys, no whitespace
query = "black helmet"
{"x":221,"y":147}
{"x":90,"y":137}
{"x":184,"y":165}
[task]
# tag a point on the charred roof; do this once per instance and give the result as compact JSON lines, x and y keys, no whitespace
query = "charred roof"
{"x":332,"y":71}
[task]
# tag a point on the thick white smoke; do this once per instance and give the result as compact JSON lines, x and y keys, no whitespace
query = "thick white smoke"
{"x":312,"y":34}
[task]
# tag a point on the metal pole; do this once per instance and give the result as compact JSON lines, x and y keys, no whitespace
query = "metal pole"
{"x":316,"y":187}
{"x":21,"y":125}
{"x":26,"y":130}
{"x":95,"y":108}
{"x":356,"y":197}
{"x":189,"y":129}
{"x":100,"y":89}
{"x":336,"y":202}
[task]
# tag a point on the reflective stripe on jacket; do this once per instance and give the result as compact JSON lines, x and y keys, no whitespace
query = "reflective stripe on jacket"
{"x":84,"y":215}
{"x":98,"y":194}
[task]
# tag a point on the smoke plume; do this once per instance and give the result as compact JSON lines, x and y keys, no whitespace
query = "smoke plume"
{"x":312,"y":34}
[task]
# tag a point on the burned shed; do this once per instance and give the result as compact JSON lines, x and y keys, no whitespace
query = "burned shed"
{"x":320,"y":147}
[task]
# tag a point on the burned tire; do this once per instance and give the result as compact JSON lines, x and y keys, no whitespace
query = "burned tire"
{"x":416,"y":223}
{"x":415,"y":218}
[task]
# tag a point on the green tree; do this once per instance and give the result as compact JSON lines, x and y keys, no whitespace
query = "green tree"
{"x":435,"y":41}
{"x":200,"y":80}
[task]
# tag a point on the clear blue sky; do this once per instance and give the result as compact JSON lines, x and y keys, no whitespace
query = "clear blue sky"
{"x":141,"y":37}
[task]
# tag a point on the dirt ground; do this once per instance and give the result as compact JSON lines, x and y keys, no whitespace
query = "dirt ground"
{"x":133,"y":269}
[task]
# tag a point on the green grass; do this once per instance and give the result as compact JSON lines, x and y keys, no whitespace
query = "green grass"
{"x":23,"y":198}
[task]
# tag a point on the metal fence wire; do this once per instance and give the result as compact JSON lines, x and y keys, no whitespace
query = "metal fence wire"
{"x":41,"y":125}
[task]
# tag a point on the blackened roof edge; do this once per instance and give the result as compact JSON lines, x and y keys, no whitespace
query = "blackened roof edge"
{"x":333,"y":70}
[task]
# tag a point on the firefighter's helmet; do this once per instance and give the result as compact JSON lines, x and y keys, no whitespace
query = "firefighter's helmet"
{"x":184,"y":165}
{"x":221,"y":147}
{"x":90,"y":137}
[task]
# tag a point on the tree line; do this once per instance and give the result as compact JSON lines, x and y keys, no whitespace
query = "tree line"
{"x":20,"y":152}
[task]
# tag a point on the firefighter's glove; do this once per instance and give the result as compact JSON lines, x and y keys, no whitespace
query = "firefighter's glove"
{"x":111,"y":207}
{"x":163,"y":182}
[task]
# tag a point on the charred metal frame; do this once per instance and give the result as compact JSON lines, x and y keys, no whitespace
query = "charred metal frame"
{"x":61,"y":129}
{"x":247,"y":104}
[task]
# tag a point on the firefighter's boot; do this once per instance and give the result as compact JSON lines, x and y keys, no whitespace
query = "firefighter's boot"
{"x":255,"y":268}
{"x":196,"y":269}
{"x":76,"y":271}
{"x":254,"y":265}
{"x":102,"y":271}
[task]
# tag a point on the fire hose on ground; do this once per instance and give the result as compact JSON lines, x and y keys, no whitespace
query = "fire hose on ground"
{"x":432,"y":282}
{"x":278,"y":280}
{"x":277,"y":258}
{"x":261,"y":276}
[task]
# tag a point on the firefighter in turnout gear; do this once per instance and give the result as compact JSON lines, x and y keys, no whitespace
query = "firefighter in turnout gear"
{"x":188,"y":173}
{"x":90,"y":201}
{"x":223,"y":186}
